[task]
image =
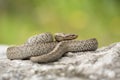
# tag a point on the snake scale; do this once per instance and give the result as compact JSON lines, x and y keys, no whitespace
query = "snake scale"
{"x":42,"y":47}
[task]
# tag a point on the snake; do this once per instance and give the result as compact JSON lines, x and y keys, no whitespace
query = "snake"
{"x":46,"y":47}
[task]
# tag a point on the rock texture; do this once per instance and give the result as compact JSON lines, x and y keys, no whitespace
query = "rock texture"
{"x":103,"y":64}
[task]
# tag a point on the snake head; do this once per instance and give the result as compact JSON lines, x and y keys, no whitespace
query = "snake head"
{"x":71,"y":36}
{"x":62,"y":36}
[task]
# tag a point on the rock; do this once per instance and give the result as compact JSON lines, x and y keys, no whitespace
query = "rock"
{"x":102,"y":64}
{"x":3,"y":49}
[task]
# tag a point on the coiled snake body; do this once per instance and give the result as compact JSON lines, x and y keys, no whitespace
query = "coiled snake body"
{"x":43,"y":48}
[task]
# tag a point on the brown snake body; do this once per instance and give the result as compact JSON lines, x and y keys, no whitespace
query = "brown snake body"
{"x":42,"y":48}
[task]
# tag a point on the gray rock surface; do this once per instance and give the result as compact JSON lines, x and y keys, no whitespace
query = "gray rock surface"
{"x":103,"y":64}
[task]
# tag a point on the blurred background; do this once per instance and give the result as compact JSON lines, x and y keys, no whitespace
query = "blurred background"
{"x":20,"y":19}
